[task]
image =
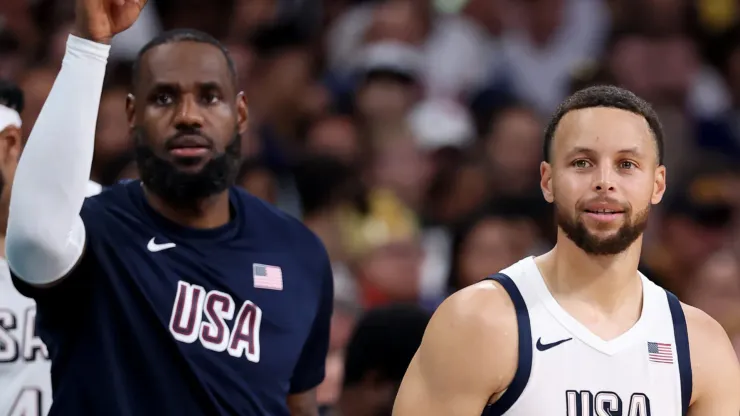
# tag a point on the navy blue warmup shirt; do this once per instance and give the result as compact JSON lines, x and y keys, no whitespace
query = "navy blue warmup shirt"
{"x":159,"y":319}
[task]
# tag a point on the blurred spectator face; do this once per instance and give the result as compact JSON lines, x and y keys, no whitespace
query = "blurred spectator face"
{"x":463,"y":189}
{"x":111,"y":138}
{"x":661,"y":70}
{"x":514,"y":149}
{"x":492,"y":245}
{"x":691,"y":242}
{"x":16,"y":17}
{"x":716,"y":288}
{"x":589,"y":170}
{"x":397,"y":20}
{"x":401,"y":167}
{"x":385,"y":100}
{"x":249,"y":14}
{"x":288,"y":80}
{"x":335,"y":137}
{"x":392,"y":271}
{"x":11,"y":57}
{"x":541,"y":18}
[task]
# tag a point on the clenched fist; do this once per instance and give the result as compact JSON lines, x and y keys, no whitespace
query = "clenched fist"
{"x":100,"y":20}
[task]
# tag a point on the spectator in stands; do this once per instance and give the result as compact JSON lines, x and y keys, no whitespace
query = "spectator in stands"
{"x":380,"y":349}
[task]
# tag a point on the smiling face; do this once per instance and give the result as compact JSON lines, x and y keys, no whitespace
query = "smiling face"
{"x":187,"y":119}
{"x":603,"y":176}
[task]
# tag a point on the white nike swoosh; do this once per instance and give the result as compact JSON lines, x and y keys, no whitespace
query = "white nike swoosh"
{"x":154,"y":247}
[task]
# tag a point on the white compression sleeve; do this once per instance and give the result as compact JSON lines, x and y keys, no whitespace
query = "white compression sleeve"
{"x":46,"y":236}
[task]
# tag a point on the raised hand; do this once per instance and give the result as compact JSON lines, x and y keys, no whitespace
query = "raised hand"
{"x":100,"y":20}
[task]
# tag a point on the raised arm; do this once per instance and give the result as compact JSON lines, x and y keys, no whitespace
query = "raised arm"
{"x":715,"y":368}
{"x":468,"y":354}
{"x":45,"y":235}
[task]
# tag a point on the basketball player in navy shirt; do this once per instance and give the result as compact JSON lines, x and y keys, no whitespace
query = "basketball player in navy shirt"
{"x":179,"y":294}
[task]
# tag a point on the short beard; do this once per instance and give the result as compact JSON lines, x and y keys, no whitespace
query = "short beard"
{"x":183,"y":189}
{"x":577,"y":232}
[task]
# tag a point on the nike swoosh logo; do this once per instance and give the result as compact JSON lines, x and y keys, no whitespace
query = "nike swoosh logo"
{"x":545,"y":347}
{"x":154,"y":247}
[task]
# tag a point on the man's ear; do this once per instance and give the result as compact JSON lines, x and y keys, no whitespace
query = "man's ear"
{"x":242,"y":112}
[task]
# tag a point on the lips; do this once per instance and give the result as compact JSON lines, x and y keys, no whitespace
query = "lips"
{"x":604,"y":207}
{"x":190,"y":145}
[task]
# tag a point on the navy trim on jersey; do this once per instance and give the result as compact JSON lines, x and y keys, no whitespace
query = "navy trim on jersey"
{"x":681,"y":335}
{"x":524,"y":365}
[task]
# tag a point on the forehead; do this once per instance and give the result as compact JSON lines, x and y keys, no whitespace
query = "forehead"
{"x":603,"y":130}
{"x":184,"y":63}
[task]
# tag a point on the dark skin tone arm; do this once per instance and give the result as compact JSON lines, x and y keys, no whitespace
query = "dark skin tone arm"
{"x":303,"y":404}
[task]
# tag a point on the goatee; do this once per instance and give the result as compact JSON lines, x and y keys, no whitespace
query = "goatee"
{"x":575,"y":229}
{"x":185,"y":189}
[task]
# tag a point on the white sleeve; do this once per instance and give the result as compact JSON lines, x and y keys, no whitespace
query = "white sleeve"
{"x":46,"y":236}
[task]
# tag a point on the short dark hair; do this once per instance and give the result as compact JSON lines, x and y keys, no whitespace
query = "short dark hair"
{"x":384,"y":341}
{"x":182,"y":35}
{"x":608,"y":96}
{"x":11,"y":95}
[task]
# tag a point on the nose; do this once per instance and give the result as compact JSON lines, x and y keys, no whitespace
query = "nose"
{"x":188,"y":114}
{"x":603,"y":180}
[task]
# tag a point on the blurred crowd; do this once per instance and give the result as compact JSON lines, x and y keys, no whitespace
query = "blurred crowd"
{"x":407,"y":134}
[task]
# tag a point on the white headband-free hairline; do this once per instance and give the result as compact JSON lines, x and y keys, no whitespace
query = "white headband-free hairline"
{"x":9,"y":117}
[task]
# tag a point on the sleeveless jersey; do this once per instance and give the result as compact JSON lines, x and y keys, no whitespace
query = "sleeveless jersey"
{"x":564,"y":369}
{"x":25,"y":385}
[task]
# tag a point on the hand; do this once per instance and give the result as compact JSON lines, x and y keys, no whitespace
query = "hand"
{"x":100,"y":20}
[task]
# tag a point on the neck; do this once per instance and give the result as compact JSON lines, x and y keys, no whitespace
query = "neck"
{"x":2,"y":245}
{"x":603,"y":281}
{"x":211,"y":212}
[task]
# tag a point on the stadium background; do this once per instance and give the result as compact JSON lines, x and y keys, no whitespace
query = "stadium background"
{"x":407,"y":133}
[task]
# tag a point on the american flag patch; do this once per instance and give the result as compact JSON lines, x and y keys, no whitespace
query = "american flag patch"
{"x":660,"y":353}
{"x":267,"y":277}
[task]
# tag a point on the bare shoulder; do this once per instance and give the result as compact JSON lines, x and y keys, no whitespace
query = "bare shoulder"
{"x":480,"y":322}
{"x":467,"y":356}
{"x":714,"y":364}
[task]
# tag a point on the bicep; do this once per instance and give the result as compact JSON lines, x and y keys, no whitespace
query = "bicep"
{"x":423,"y":393}
{"x":452,"y":372}
{"x":303,"y":404}
{"x":719,"y":395}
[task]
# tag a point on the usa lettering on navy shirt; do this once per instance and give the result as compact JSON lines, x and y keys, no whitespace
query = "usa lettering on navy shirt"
{"x":160,"y":319}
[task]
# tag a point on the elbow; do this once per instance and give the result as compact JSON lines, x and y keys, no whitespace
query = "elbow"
{"x":37,"y":257}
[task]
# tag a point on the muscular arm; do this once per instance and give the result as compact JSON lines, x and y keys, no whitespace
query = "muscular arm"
{"x":454,"y":371}
{"x":303,"y":404}
{"x":715,"y":368}
{"x":46,"y":236}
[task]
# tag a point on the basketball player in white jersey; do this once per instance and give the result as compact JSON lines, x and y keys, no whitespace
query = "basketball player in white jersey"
{"x":25,"y":383}
{"x":579,"y":331}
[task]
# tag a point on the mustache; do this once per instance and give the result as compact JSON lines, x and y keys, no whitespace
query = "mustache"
{"x":607,"y":201}
{"x":190,"y":133}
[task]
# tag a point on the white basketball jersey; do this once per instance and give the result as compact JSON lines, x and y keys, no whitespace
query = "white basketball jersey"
{"x":566,"y":370}
{"x":25,"y":384}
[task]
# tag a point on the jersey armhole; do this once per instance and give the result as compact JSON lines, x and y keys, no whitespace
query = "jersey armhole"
{"x":683,"y":354}
{"x":524,"y":362}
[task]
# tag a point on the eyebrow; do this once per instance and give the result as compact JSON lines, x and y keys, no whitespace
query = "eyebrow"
{"x":633,"y":151}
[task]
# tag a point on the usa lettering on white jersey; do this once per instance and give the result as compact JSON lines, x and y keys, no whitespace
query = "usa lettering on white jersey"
{"x":565,"y":369}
